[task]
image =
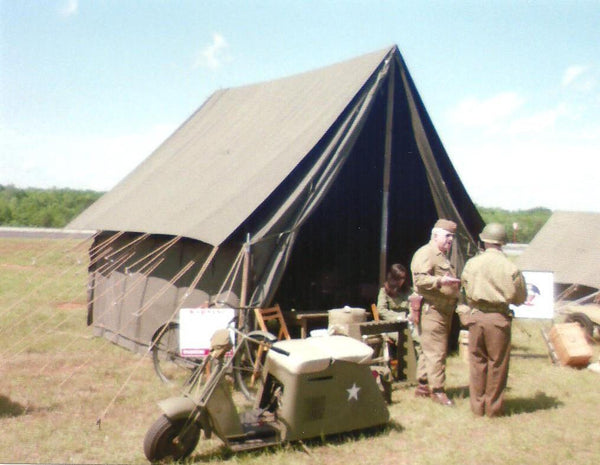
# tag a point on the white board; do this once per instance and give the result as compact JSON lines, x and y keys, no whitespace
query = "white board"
{"x":540,"y":296}
{"x":196,"y":327}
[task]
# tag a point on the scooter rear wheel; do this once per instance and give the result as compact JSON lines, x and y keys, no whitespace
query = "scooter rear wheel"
{"x":168,"y":438}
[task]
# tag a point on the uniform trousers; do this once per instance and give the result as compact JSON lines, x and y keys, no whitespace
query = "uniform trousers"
{"x":489,"y":355}
{"x":434,"y":329}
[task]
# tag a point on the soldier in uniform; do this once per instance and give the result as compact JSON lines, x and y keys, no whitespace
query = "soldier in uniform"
{"x":434,"y":278}
{"x":392,"y":301}
{"x":490,"y":283}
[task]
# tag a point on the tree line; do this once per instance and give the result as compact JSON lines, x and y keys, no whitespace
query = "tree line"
{"x":54,"y":208}
{"x":42,"y":208}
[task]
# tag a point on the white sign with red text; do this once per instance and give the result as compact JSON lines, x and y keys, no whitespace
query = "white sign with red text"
{"x":196,"y":327}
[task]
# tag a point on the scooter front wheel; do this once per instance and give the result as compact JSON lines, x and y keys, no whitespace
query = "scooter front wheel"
{"x":167,"y":438}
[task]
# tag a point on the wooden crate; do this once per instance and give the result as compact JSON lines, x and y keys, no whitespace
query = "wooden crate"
{"x":570,"y":345}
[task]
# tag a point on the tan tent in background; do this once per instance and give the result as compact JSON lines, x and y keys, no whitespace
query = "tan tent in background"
{"x":569,"y":246}
{"x":300,"y":191}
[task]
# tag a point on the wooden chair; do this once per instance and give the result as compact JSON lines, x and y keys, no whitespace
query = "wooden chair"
{"x":375,"y":340}
{"x":382,"y":346}
{"x":264,"y":315}
{"x":375,"y":312}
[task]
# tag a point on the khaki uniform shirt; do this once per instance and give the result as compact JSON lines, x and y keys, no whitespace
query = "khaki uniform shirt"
{"x":428,"y":265}
{"x":490,"y":279}
{"x":390,"y":308}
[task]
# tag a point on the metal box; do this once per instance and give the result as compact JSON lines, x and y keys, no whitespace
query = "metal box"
{"x":327,"y":386}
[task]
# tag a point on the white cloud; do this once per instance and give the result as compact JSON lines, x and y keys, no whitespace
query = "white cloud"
{"x":213,"y":55}
{"x":572,"y":73}
{"x":486,"y":113}
{"x":542,"y":121}
{"x":69,"y":8}
{"x":76,"y":161}
{"x":583,"y":79}
{"x":519,"y":174}
{"x":106,"y":160}
{"x":515,"y":156}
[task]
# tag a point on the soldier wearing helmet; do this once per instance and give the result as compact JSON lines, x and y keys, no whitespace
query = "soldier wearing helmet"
{"x":490,"y":283}
{"x":493,"y":233}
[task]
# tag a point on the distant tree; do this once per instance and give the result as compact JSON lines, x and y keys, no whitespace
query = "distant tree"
{"x":529,"y":222}
{"x":48,"y":208}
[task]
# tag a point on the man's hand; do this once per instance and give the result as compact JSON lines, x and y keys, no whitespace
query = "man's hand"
{"x":465,"y":315}
{"x":448,"y":281}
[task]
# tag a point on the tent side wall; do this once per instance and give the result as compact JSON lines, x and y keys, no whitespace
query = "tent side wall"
{"x":133,"y":293}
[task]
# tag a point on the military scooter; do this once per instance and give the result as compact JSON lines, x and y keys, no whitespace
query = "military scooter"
{"x":312,"y":387}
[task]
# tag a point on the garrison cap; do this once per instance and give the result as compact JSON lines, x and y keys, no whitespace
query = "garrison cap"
{"x":448,"y":225}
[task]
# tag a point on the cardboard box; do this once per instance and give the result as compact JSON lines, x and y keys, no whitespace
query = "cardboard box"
{"x":570,"y":345}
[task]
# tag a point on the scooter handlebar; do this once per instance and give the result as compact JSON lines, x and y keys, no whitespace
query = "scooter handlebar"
{"x":280,"y":351}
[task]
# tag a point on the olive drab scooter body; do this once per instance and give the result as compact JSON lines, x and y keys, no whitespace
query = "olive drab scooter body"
{"x":313,"y":387}
{"x":324,"y":386}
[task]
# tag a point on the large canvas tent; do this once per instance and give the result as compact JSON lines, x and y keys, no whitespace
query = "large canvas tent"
{"x":567,"y":245}
{"x":299,"y":191}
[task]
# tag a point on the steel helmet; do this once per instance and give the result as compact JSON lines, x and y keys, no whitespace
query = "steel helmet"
{"x":493,"y":233}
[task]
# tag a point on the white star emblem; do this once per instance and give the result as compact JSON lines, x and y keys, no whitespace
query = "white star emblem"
{"x":353,"y":392}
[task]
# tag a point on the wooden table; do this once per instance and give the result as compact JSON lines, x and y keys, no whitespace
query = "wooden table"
{"x":405,"y":357}
{"x":302,"y":318}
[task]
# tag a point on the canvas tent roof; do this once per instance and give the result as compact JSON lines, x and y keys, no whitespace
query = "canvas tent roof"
{"x":568,"y":246}
{"x":230,"y":155}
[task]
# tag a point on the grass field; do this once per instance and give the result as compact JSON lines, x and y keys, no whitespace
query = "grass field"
{"x":67,"y":397}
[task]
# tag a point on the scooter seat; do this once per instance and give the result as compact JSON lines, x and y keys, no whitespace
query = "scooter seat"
{"x":315,"y":354}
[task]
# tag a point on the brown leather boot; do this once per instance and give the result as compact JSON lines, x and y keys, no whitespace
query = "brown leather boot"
{"x":422,"y":390}
{"x":440,"y":397}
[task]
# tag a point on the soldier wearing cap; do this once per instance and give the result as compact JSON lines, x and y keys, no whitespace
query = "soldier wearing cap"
{"x":490,"y":283}
{"x":434,"y":278}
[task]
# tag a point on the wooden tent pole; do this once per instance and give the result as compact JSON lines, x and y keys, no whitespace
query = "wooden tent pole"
{"x":245,"y":274}
{"x":387,"y":162}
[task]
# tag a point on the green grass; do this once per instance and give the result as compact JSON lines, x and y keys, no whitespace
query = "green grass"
{"x":56,"y":381}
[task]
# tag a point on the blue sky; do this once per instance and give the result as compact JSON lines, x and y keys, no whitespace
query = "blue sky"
{"x":88,"y":88}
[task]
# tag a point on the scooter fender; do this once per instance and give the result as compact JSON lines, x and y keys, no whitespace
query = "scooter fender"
{"x":177,"y":407}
